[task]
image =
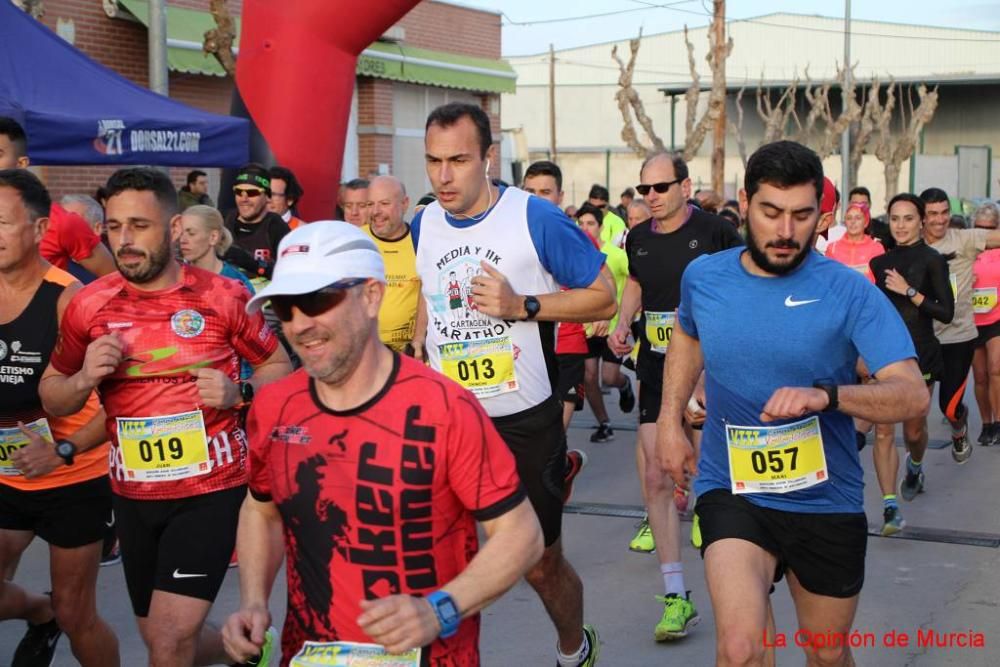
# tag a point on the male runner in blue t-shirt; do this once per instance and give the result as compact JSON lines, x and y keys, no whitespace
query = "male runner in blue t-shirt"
{"x":779,"y":331}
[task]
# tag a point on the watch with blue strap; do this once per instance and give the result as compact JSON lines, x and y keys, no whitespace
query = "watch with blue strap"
{"x":446,"y":611}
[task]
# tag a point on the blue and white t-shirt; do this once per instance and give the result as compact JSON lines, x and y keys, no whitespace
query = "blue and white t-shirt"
{"x":508,"y":365}
{"x":759,"y":334}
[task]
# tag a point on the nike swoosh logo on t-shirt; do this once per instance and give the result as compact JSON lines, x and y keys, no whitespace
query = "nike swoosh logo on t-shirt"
{"x":791,"y":303}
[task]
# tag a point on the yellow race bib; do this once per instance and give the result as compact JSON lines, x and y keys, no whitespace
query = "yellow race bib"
{"x":984,"y":299}
{"x":160,"y":449}
{"x":659,"y":329}
{"x":11,"y":440}
{"x":776,"y":459}
{"x":351,"y":654}
{"x":484,"y":367}
{"x":953,"y":279}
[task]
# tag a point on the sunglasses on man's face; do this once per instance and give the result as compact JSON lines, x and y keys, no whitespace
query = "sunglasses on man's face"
{"x":662,"y":187}
{"x":247,"y":192}
{"x":313,"y":304}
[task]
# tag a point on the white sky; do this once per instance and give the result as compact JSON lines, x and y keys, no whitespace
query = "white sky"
{"x":654,"y":16}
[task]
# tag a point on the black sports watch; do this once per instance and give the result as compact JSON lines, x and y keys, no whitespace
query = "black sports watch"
{"x":831,"y":393}
{"x":246,"y":392}
{"x":911,"y":292}
{"x":531,"y":307}
{"x":65,"y":450}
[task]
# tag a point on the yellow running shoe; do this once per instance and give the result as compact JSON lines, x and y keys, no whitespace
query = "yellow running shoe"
{"x":679,"y":616}
{"x":643,"y":541}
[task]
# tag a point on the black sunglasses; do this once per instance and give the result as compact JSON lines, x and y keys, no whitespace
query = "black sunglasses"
{"x":644,"y":188}
{"x":247,"y":192}
{"x":315,"y":303}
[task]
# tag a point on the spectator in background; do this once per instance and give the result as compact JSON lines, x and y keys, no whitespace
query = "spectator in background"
{"x":87,"y":208}
{"x":354,"y":201}
{"x":195,"y":191}
{"x":286,"y":191}
{"x":709,"y":201}
{"x":638,"y":211}
{"x":879,"y":228}
{"x":625,"y":200}
{"x":256,"y":231}
{"x":68,"y":237}
{"x":570,"y":211}
{"x":613,"y":228}
{"x":424,"y":201}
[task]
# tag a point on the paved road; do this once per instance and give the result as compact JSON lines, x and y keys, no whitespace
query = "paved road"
{"x":912,"y":586}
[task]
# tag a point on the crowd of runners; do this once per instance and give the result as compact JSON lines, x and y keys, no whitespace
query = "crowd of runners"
{"x":357,"y":398}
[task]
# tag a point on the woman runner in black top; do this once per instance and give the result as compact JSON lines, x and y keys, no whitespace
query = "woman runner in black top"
{"x":915,"y":278}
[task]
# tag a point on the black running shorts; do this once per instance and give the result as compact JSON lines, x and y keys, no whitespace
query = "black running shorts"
{"x":957,"y":359}
{"x":179,"y":546}
{"x":987,"y":333}
{"x":68,"y":516}
{"x":538,"y":442}
{"x":570,"y":377}
{"x":825,"y":551}
{"x":597,"y":348}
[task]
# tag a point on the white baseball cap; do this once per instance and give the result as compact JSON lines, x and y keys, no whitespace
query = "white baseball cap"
{"x":318,"y":255}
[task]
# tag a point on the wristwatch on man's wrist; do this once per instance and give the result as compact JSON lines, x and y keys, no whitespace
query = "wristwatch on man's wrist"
{"x":831,"y":393}
{"x":446,"y":611}
{"x":531,"y":307}
{"x":65,"y":450}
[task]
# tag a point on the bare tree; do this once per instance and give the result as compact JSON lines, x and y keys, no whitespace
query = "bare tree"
{"x":630,"y":103}
{"x":895,"y":146}
{"x":861,"y":133}
{"x":737,"y":128}
{"x":775,"y":116}
{"x":219,"y":40}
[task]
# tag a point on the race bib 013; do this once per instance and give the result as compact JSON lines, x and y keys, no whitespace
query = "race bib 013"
{"x":484,"y":367}
{"x":776,"y":459}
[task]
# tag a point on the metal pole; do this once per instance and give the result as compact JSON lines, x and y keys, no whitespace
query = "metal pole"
{"x":552,"y":101}
{"x":845,"y":138}
{"x":158,"y":80}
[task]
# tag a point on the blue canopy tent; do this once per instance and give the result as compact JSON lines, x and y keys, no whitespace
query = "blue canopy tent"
{"x":77,"y":112}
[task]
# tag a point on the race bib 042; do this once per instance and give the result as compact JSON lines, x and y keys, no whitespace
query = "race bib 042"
{"x":160,"y":449}
{"x":984,"y":299}
{"x":776,"y":459}
{"x":350,"y":654}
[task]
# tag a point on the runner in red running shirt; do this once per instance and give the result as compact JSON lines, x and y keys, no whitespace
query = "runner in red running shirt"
{"x":368,"y":471}
{"x":162,"y":343}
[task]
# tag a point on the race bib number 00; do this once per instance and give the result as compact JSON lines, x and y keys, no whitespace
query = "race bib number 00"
{"x":984,"y":299}
{"x":161,"y":449}
{"x":350,"y":654}
{"x":12,"y":439}
{"x":484,"y":367}
{"x":776,"y":459}
{"x":659,"y":329}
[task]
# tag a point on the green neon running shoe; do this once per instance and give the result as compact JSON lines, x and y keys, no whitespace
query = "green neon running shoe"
{"x":643,"y":541}
{"x":267,"y":651}
{"x":679,"y":615}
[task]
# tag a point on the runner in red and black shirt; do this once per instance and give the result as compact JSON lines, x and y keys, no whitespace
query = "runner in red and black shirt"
{"x":162,"y":344}
{"x":374,"y":469}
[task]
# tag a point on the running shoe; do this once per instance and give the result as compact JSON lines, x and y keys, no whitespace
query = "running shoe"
{"x":893,"y":521}
{"x":912,"y":484}
{"x":576,"y":460}
{"x":111,"y":553}
{"x":38,"y":646}
{"x":681,"y":497}
{"x":696,"y":532}
{"x":626,"y":397}
{"x":267,"y":651}
{"x":679,"y":616}
{"x":604,"y":433}
{"x":961,"y":450}
{"x":986,"y":435}
{"x":643,"y":541}
{"x":594,"y":643}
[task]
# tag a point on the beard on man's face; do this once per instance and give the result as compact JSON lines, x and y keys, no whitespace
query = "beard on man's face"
{"x":759,"y":255}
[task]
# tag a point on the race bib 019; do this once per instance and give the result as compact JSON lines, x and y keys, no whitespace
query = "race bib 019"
{"x":776,"y":459}
{"x":350,"y":654}
{"x":12,"y":439}
{"x":984,"y":299}
{"x":484,"y":367}
{"x":659,"y":329}
{"x":160,"y":449}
